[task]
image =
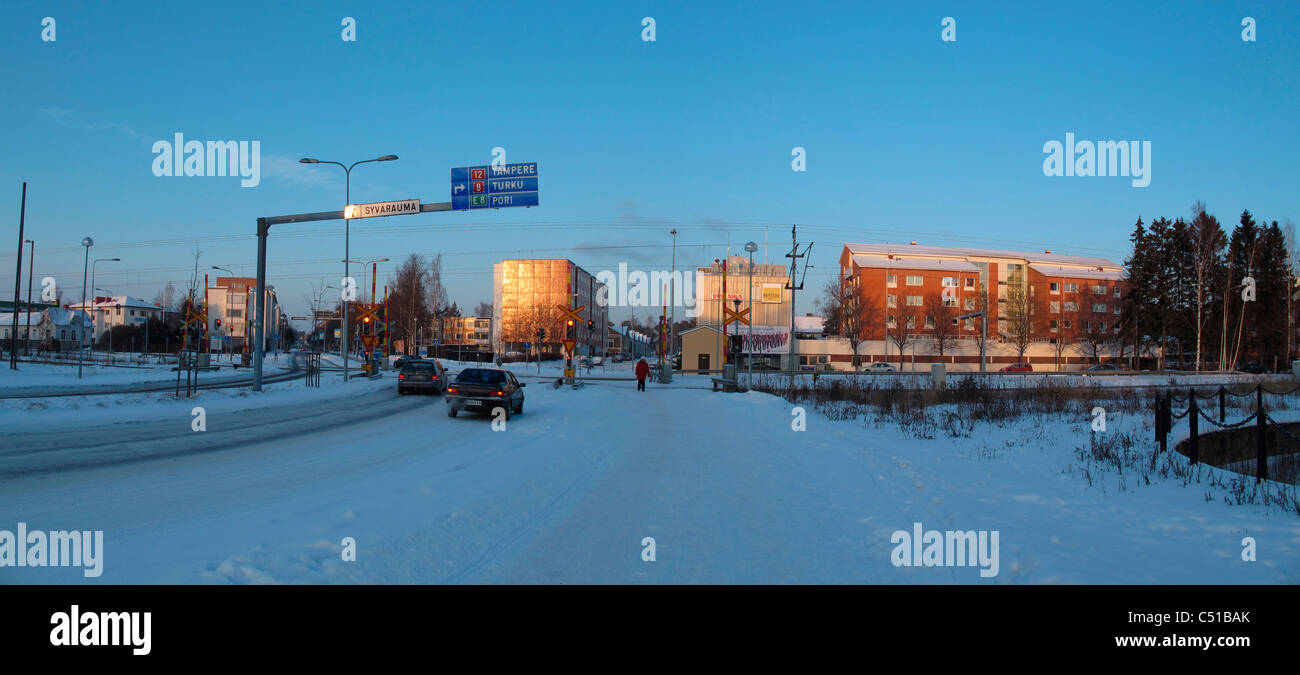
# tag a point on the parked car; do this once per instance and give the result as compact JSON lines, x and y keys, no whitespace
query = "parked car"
{"x":1101,"y":368}
{"x":597,"y":360}
{"x":483,"y":389}
{"x":403,"y":360}
{"x":1017,"y":368}
{"x":1252,"y":368}
{"x":422,"y":376}
{"x":879,"y":367}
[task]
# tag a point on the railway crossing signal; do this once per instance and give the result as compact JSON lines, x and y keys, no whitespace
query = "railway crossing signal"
{"x":729,"y":315}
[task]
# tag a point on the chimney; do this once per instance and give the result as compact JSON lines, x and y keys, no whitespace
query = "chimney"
{"x":1048,"y":251}
{"x":914,"y":242}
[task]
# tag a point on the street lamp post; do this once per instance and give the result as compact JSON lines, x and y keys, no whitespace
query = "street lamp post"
{"x":225,"y":309}
{"x":81,"y":329}
{"x":347,"y":236}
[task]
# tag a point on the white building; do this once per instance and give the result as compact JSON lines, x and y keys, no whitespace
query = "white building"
{"x":55,"y":323}
{"x":120,"y":310}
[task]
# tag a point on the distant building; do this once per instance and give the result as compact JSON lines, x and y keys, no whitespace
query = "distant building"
{"x":119,"y":310}
{"x":526,"y":296}
{"x":771,"y":298}
{"x":232,"y":311}
{"x":1076,"y":301}
{"x":466,"y":333}
{"x":63,"y":325}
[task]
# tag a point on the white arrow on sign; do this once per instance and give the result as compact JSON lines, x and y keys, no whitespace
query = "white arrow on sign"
{"x":460,"y":187}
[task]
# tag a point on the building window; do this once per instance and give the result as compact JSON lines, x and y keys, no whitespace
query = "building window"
{"x":929,"y":322}
{"x":1052,"y":324}
{"x":1099,"y":307}
{"x":1098,"y":289}
{"x":950,"y":282}
{"x":891,"y":301}
{"x":915,"y":301}
{"x":1084,"y":325}
{"x":1071,"y":306}
{"x":970,"y":324}
{"x":969,"y":303}
{"x":915,"y":280}
{"x":1068,"y":324}
{"x":1054,"y":307}
{"x":911,"y":322}
{"x":1072,"y":288}
{"x":1117,"y":291}
{"x":891,"y":280}
{"x":970,"y":283}
{"x":1054,"y":288}
{"x":119,"y":311}
{"x":890,"y":322}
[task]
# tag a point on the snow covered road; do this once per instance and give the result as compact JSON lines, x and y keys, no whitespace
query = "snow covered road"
{"x":568,"y":492}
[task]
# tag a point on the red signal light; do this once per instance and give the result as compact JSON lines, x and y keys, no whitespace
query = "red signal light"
{"x":569,"y":322}
{"x":451,"y":390}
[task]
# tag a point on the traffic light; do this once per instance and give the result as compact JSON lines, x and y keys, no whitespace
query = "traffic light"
{"x":737,"y":344}
{"x":218,"y":323}
{"x":541,"y":333}
{"x":538,"y":333}
{"x":591,"y":325}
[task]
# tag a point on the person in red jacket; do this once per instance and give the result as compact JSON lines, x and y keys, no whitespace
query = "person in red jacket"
{"x":642,"y":372}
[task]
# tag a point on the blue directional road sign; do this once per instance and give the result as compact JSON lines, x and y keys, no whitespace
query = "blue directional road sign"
{"x":494,"y":186}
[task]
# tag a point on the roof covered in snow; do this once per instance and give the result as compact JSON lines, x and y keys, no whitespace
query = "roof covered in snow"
{"x":1079,"y":272}
{"x":939,"y":265}
{"x":966,"y":253}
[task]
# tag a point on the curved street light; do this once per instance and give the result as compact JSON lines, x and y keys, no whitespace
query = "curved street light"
{"x":347,"y":235}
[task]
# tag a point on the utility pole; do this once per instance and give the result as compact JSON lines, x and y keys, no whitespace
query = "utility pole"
{"x":794,"y":255}
{"x":18,"y":283}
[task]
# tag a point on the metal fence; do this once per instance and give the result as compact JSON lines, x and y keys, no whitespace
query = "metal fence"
{"x":1194,"y":412}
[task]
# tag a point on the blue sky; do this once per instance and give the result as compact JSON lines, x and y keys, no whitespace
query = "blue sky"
{"x":907,"y":137}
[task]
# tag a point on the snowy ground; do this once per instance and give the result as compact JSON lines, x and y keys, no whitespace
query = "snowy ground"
{"x":569,"y":490}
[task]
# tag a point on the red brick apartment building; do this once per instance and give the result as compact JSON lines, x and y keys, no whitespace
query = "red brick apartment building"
{"x":1075,"y":298}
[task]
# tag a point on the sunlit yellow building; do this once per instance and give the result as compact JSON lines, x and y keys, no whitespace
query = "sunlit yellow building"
{"x":526,"y":296}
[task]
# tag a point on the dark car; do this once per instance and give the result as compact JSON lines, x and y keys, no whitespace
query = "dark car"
{"x":403,"y":360}
{"x":1101,"y":368}
{"x":1252,"y":368}
{"x":1018,"y":368}
{"x":484,"y":389}
{"x":422,"y":376}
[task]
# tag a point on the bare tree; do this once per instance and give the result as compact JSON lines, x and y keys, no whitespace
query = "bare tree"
{"x":899,"y":332}
{"x":408,"y":302}
{"x":166,"y":297}
{"x":483,"y":309}
{"x":943,"y":313}
{"x":1094,"y":330}
{"x":1022,"y":318}
{"x":1063,"y":340}
{"x":850,"y":312}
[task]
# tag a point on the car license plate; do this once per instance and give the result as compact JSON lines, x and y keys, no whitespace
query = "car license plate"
{"x":474,"y":404}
